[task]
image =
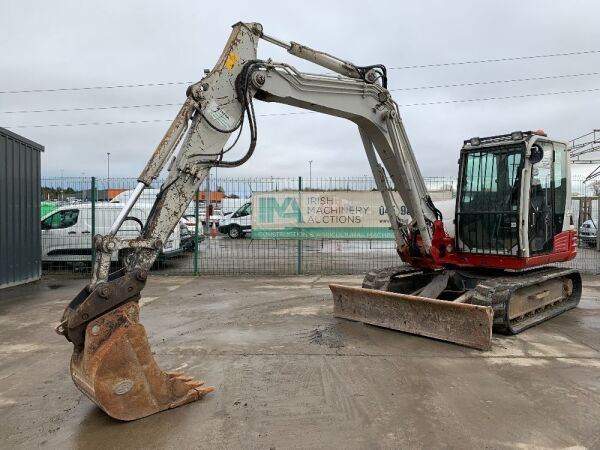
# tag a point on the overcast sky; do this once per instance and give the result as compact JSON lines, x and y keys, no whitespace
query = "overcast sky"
{"x":65,"y":44}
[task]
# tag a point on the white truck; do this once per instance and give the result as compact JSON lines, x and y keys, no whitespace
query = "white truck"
{"x":239,"y":223}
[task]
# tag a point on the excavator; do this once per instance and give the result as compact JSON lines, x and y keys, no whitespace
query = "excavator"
{"x":471,"y":266}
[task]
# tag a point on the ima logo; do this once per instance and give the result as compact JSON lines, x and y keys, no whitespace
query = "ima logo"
{"x":271,"y":210}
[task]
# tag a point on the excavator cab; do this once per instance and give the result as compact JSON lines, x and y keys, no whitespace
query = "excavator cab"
{"x":512,"y":200}
{"x":511,"y":220}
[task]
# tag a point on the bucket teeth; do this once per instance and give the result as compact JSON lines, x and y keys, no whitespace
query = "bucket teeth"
{"x":191,"y":396}
{"x":174,"y":374}
{"x":116,"y":369}
{"x":183,"y":378}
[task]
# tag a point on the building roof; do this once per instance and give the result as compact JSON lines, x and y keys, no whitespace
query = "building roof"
{"x":18,"y":137}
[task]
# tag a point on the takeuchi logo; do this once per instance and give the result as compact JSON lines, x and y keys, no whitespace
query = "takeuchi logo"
{"x":270,"y":209}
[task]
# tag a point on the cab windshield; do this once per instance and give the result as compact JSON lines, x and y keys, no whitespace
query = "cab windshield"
{"x":489,"y":200}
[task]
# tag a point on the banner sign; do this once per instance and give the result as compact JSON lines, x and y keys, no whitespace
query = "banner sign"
{"x":324,"y":215}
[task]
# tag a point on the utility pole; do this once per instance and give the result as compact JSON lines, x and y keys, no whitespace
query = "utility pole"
{"x":108,"y":176}
{"x":216,"y":178}
{"x":310,"y":174}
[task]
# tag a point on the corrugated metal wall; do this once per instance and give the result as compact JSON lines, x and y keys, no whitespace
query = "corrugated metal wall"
{"x":20,"y":233}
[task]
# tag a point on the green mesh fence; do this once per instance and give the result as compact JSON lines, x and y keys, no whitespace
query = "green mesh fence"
{"x":208,"y":241}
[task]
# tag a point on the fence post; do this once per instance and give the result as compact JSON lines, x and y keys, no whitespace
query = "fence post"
{"x":597,"y":222}
{"x":196,"y":231}
{"x":206,"y":229}
{"x":299,"y":268}
{"x":93,"y":207}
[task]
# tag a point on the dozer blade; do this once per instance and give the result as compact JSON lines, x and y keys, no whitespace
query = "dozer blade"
{"x":464,"y":324}
{"x":116,"y":370}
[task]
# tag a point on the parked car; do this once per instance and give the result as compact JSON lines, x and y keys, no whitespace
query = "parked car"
{"x":187,"y":236}
{"x":46,"y":207}
{"x":588,"y":232}
{"x":239,"y":223}
{"x":215,"y":218}
{"x":148,"y":197}
{"x":67,"y":231}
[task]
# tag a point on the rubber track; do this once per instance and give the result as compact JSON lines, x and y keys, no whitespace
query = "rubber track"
{"x":379,"y":279}
{"x":497,"y":292}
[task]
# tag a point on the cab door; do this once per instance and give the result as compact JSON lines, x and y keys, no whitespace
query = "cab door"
{"x":547,"y":197}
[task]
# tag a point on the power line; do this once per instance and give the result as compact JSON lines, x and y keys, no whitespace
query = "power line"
{"x":416,"y":66}
{"x":482,"y":61}
{"x":475,"y":83}
{"x":90,"y":88}
{"x":486,"y":99}
{"x":439,"y":102}
{"x":287,"y":114}
{"x":514,"y":80}
{"x":120,"y":122}
{"x":90,"y":108}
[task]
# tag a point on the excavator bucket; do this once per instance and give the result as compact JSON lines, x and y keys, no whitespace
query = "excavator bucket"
{"x":460,"y":323}
{"x":116,"y":370}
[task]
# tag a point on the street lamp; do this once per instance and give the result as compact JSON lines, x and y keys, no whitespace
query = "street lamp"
{"x":107,"y":175}
{"x":62,"y":183}
{"x":310,"y":174}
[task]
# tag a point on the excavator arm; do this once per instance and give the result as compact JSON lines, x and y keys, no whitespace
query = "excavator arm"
{"x":112,"y":362}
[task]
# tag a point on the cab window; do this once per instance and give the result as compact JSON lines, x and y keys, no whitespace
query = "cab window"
{"x":541,"y":202}
{"x":61,"y":219}
{"x":560,"y":185}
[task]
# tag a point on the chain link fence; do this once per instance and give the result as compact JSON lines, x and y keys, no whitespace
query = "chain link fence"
{"x":74,"y":209}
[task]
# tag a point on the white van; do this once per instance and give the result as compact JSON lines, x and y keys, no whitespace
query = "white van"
{"x":146,"y":199}
{"x":239,"y":223}
{"x":67,"y":231}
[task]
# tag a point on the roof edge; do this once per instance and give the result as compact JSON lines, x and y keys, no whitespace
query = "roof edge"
{"x":18,"y":137}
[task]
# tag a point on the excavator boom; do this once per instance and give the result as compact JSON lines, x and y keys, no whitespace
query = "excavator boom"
{"x":112,"y":363}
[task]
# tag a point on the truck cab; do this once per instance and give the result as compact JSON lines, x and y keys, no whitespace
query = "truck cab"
{"x":239,"y":223}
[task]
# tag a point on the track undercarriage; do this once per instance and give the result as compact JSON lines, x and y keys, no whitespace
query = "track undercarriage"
{"x":461,"y":306}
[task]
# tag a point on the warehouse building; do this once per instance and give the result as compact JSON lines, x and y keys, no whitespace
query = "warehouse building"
{"x":20,"y":233}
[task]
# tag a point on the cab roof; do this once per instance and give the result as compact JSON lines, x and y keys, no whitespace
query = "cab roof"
{"x":516,"y":137}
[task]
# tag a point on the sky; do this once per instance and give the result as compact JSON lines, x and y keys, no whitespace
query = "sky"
{"x":74,"y":44}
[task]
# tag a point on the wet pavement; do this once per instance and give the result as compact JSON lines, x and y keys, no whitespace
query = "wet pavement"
{"x":289,"y":375}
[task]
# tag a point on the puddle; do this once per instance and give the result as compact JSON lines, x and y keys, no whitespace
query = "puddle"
{"x":303,"y":310}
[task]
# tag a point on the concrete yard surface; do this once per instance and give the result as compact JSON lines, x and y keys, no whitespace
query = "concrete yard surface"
{"x":290,"y":375}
